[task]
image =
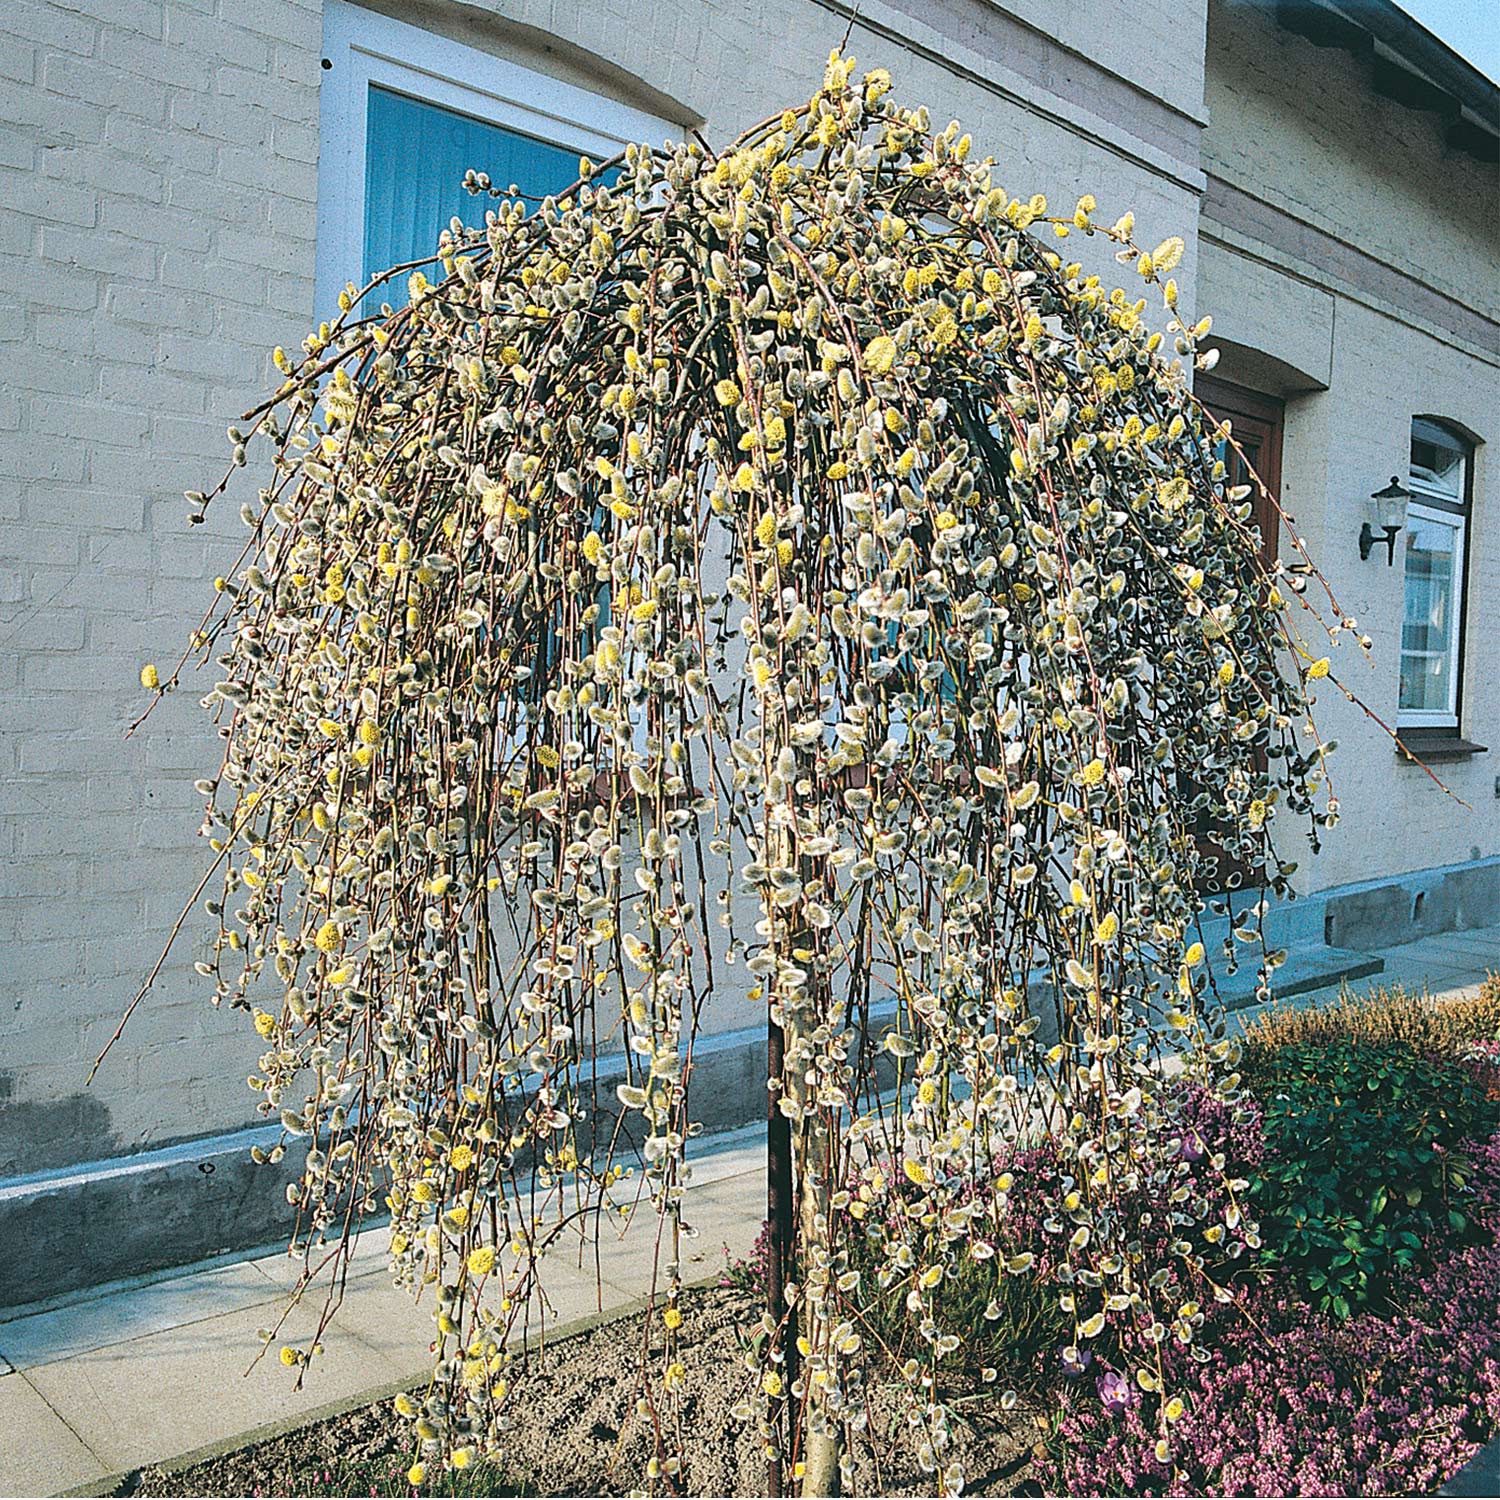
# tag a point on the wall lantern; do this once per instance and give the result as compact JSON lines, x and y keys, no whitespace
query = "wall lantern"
{"x":1387,"y":509}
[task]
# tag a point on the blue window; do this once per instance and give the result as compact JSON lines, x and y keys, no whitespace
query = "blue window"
{"x":404,"y":113}
{"x":416,"y":156}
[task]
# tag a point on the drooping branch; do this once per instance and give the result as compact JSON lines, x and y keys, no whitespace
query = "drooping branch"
{"x":780,"y":563}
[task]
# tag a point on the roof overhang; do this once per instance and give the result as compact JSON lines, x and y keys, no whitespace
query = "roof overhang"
{"x":1408,"y":64}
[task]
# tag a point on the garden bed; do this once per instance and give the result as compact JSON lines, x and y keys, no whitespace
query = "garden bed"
{"x":576,"y":1433}
{"x":1355,"y":1348}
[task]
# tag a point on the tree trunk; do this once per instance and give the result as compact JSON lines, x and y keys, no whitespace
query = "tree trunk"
{"x":801,"y":1220}
{"x":820,"y":1445}
{"x":780,"y":1234}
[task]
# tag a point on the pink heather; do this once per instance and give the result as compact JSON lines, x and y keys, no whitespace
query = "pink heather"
{"x":1290,"y":1402}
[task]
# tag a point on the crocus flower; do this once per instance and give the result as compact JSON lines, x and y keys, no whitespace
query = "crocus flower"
{"x":1115,"y":1394}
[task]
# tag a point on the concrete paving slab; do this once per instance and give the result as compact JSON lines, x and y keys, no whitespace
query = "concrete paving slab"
{"x":94,"y":1322}
{"x":387,"y":1319}
{"x":718,"y":1217}
{"x":40,"y":1454}
{"x":743,"y":1155}
{"x":1415,"y":967}
{"x":724,"y":1216}
{"x":1316,"y":969}
{"x":370,"y":1257}
{"x":1419,"y":972}
{"x":400,"y":1330}
{"x":170,"y":1392}
{"x":1480,"y":1476}
{"x":1468,"y":948}
{"x":627,"y":1254}
{"x":727,"y":1215}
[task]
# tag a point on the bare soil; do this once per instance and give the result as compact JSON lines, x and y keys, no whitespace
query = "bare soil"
{"x":576,"y":1431}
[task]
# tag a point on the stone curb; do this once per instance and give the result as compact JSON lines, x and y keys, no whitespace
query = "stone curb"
{"x":573,"y":1328}
{"x":114,"y":1484}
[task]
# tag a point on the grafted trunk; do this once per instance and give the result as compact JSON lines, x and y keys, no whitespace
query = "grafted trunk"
{"x":821,"y":1432}
{"x":806,"y":1224}
{"x":781,"y":1224}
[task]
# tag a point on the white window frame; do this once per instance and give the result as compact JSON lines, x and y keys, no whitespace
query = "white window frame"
{"x":1439,"y":508}
{"x":364,"y":48}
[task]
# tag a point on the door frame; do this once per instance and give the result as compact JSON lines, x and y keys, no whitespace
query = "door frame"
{"x":1262,"y":418}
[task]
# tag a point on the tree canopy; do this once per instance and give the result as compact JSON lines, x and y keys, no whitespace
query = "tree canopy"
{"x":778,"y":569}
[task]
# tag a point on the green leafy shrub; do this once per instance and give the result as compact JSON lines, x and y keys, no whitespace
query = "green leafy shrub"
{"x":1365,"y":1159}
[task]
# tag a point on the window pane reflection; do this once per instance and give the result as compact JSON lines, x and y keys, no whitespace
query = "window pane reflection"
{"x":1428,"y":634}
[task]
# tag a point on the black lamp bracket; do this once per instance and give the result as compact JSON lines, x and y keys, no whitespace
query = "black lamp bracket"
{"x":1368,"y":539}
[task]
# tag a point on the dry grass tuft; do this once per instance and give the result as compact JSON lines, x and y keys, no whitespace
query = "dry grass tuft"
{"x":1385,"y":1015}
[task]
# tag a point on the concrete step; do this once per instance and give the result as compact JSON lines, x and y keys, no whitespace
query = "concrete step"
{"x":1309,"y":969}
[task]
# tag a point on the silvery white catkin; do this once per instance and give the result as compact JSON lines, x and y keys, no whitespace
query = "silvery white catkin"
{"x":783,"y":554}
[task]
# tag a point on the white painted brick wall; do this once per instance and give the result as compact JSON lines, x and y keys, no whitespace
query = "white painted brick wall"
{"x":1297,"y":126}
{"x":143,"y":231}
{"x":1395,"y":817}
{"x":157,"y":203}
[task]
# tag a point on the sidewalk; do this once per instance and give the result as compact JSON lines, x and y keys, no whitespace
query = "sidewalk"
{"x":145,"y":1372}
{"x":1448,"y":965}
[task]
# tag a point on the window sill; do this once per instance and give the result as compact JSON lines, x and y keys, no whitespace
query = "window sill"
{"x":1429,"y":745}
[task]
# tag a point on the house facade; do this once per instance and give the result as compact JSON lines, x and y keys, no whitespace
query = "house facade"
{"x":188,"y":185}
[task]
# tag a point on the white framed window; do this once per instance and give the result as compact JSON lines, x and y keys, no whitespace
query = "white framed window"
{"x":1436,"y":546}
{"x":404,"y":113}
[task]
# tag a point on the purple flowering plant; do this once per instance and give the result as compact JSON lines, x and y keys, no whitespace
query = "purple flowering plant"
{"x":1283,"y":1398}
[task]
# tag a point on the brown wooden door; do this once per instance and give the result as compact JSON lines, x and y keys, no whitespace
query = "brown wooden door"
{"x":1256,"y":423}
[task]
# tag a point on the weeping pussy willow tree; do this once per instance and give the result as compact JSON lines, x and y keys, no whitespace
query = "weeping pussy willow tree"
{"x":778,"y":569}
